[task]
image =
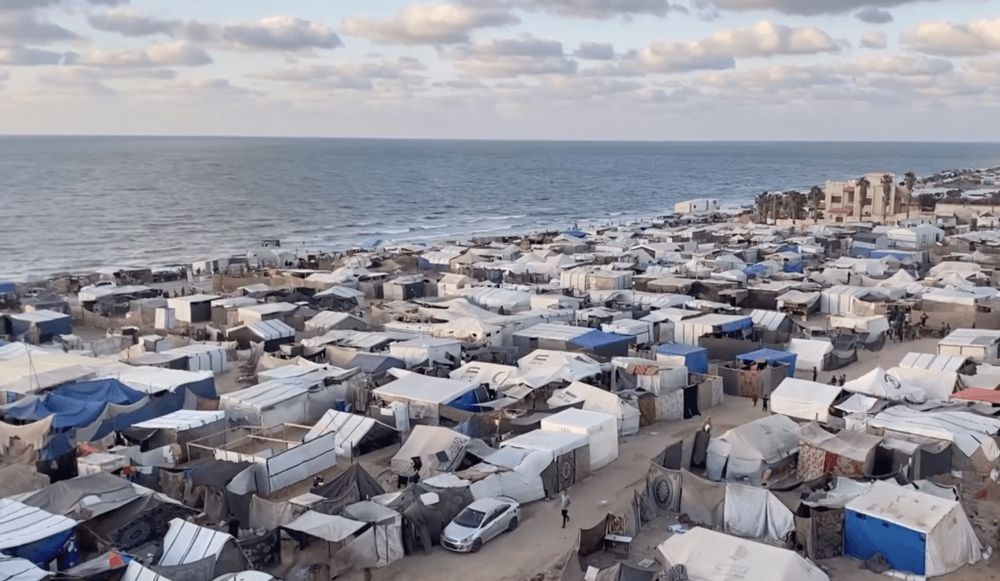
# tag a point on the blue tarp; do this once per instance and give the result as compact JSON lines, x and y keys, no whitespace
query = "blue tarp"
{"x":575,"y":233}
{"x":44,"y":551}
{"x":69,"y":412}
{"x":772,"y":356}
{"x":900,"y":255}
{"x":204,"y":388}
{"x":736,"y":325}
{"x":755,"y":270}
{"x":695,"y":358}
{"x":792,"y":267}
{"x":8,"y":287}
{"x":597,"y":339}
{"x":106,"y":390}
{"x":864,"y":536}
{"x":789,"y":248}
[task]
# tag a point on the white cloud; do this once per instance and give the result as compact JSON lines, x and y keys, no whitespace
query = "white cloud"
{"x":598,"y":8}
{"x":25,"y":56}
{"x":283,"y":33}
{"x":721,"y":49}
{"x":807,"y":7}
{"x":513,"y":57}
{"x":434,"y":24}
{"x":874,"y":40}
{"x":946,"y":38}
{"x":905,"y":65}
{"x":24,"y":27}
{"x":157,"y":55}
{"x":130,"y":22}
{"x":358,"y":74}
{"x":595,"y":51}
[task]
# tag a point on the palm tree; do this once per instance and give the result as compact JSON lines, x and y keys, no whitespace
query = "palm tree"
{"x":863,"y":185}
{"x":762,"y":205}
{"x":816,"y":196}
{"x":776,"y":200}
{"x":909,"y":180}
{"x":887,"y":185}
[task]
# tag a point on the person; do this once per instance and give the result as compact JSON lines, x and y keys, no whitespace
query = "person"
{"x":417,"y":465}
{"x":833,"y":380}
{"x":318,"y":481}
{"x":564,"y":503}
{"x":234,"y":528}
{"x":923,"y":320}
{"x":815,"y":373}
{"x":763,"y":401}
{"x":753,"y":397}
{"x":843,"y":380}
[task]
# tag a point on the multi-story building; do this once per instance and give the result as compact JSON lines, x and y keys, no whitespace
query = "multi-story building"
{"x":854,"y":201}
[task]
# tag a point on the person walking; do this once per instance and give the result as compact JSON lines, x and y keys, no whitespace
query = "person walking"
{"x":564,"y":503}
{"x":763,"y":401}
{"x":815,"y":373}
{"x":753,"y":398}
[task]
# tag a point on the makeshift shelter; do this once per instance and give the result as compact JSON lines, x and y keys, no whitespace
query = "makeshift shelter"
{"x":804,"y":400}
{"x":878,"y":383}
{"x":272,"y":334}
{"x":772,"y":357}
{"x":354,"y":435}
{"x":426,"y":511}
{"x":712,"y":556}
{"x":811,"y":353}
{"x":439,"y":450}
{"x":966,"y":430}
{"x":756,"y":513}
{"x":747,"y":451}
{"x":598,"y":400}
{"x":550,"y":336}
{"x":981,"y":345}
{"x":936,"y":375}
{"x":691,"y":356}
{"x":16,"y":569}
{"x":178,"y":427}
{"x":846,"y":453}
{"x":602,"y":344}
{"x":424,"y":395}
{"x":41,"y":326}
{"x":427,"y":351}
{"x":569,"y":455}
{"x":601,"y":430}
{"x":819,"y":518}
{"x":271,"y":403}
{"x":378,"y":544}
{"x":842,"y":299}
{"x":30,"y":533}
{"x":690,"y":330}
{"x":915,"y":532}
{"x":353,"y":485}
{"x":194,"y":552}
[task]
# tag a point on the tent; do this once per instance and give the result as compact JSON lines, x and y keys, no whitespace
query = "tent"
{"x":878,"y":383}
{"x":270,"y":403}
{"x":690,"y":330}
{"x":756,"y":513}
{"x":438,"y":449}
{"x":426,"y":395}
{"x":178,"y":427}
{"x":568,"y":456}
{"x":353,"y":485}
{"x":967,"y":430}
{"x":15,"y":569}
{"x":804,"y":400}
{"x":693,"y":357}
{"x":810,"y":353}
{"x":712,"y":556}
{"x":772,"y":357}
{"x":601,"y":430}
{"x":427,"y":351}
{"x":599,"y":400}
{"x":379,"y":544}
{"x":747,"y":451}
{"x":354,"y":435}
{"x":33,"y":534}
{"x":191,"y":551}
{"x":602,"y":343}
{"x":916,"y":532}
{"x":847,"y":453}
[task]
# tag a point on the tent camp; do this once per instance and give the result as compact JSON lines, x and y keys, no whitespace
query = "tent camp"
{"x":712,"y":556}
{"x":601,"y":430}
{"x":596,"y":399}
{"x":916,"y":532}
{"x":804,"y":400}
{"x":747,"y":451}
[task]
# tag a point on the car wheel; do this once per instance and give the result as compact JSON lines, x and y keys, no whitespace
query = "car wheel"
{"x":476,"y":545}
{"x":512,"y":525}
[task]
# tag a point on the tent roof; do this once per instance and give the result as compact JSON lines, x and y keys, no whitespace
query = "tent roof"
{"x":187,"y":542}
{"x":424,"y":388}
{"x":15,"y":569}
{"x":330,"y":528}
{"x":770,"y":438}
{"x":182,"y":420}
{"x":770,"y":320}
{"x":597,"y":338}
{"x":712,"y":556}
{"x":977,"y":394}
{"x":767,"y":355}
{"x":268,"y":393}
{"x":21,"y":524}
{"x":931,"y":362}
{"x":558,"y":443}
{"x":903,"y":506}
{"x":269,"y":330}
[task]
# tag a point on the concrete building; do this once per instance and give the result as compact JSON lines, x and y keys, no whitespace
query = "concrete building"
{"x":851,"y":201}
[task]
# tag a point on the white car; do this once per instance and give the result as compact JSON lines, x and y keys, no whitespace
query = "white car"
{"x":479,"y":522}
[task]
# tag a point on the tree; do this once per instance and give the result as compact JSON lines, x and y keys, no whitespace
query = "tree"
{"x":816,"y":196}
{"x":909,"y":180}
{"x":887,"y":185}
{"x":761,"y":204}
{"x":863,"y":185}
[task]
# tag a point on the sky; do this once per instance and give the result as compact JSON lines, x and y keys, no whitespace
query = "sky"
{"x":821,"y":70}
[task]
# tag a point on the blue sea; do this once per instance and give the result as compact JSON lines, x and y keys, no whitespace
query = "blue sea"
{"x":74,"y":204}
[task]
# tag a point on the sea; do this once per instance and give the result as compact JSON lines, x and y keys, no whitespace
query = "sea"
{"x":78,"y":204}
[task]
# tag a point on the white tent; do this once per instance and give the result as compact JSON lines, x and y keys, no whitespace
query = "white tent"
{"x":878,"y":383}
{"x":424,"y":394}
{"x":14,"y":569}
{"x":811,"y":352}
{"x":756,"y":513}
{"x":439,"y":449}
{"x":712,"y":556}
{"x":967,"y":430}
{"x":936,"y":375}
{"x":268,"y":404}
{"x":747,"y":451}
{"x":136,"y":572}
{"x":331,"y":528}
{"x":884,"y":519}
{"x":186,"y":542}
{"x":596,"y":399}
{"x":601,"y":430}
{"x":840,"y":299}
{"x":427,"y":350}
{"x":21,"y":524}
{"x":804,"y":400}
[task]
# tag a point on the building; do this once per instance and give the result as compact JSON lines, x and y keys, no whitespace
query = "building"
{"x":854,"y":201}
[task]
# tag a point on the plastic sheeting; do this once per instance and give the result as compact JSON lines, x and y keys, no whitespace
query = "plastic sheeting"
{"x":601,"y":430}
{"x":804,"y":400}
{"x":756,"y":513}
{"x":703,"y":501}
{"x":746,"y":451}
{"x":32,"y":533}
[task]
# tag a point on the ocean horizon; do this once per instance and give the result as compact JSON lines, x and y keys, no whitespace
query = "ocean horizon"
{"x":78,"y":203}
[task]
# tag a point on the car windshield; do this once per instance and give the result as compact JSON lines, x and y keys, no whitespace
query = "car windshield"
{"x":470,"y":517}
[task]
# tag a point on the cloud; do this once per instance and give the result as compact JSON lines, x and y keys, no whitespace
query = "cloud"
{"x":721,"y":49}
{"x":874,"y":40}
{"x":130,"y":22}
{"x":307,"y":73}
{"x":595,"y":51}
{"x":602,"y":9}
{"x":284,"y":33}
{"x":807,"y":7}
{"x":24,"y":56}
{"x":513,"y":57}
{"x":212,"y":87}
{"x":23,"y":27}
{"x":905,"y":65}
{"x":429,"y":24}
{"x":157,"y":55}
{"x":873,"y":15}
{"x":945,"y":38}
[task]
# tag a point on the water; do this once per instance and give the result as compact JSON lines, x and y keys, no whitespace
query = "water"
{"x":80,"y":203}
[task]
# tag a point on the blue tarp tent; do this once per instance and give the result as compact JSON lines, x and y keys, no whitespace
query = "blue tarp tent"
{"x":695,"y":358}
{"x":601,"y":343}
{"x":755,"y":270}
{"x":772,"y":356}
{"x":105,"y":390}
{"x":7,"y":287}
{"x":31,"y":533}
